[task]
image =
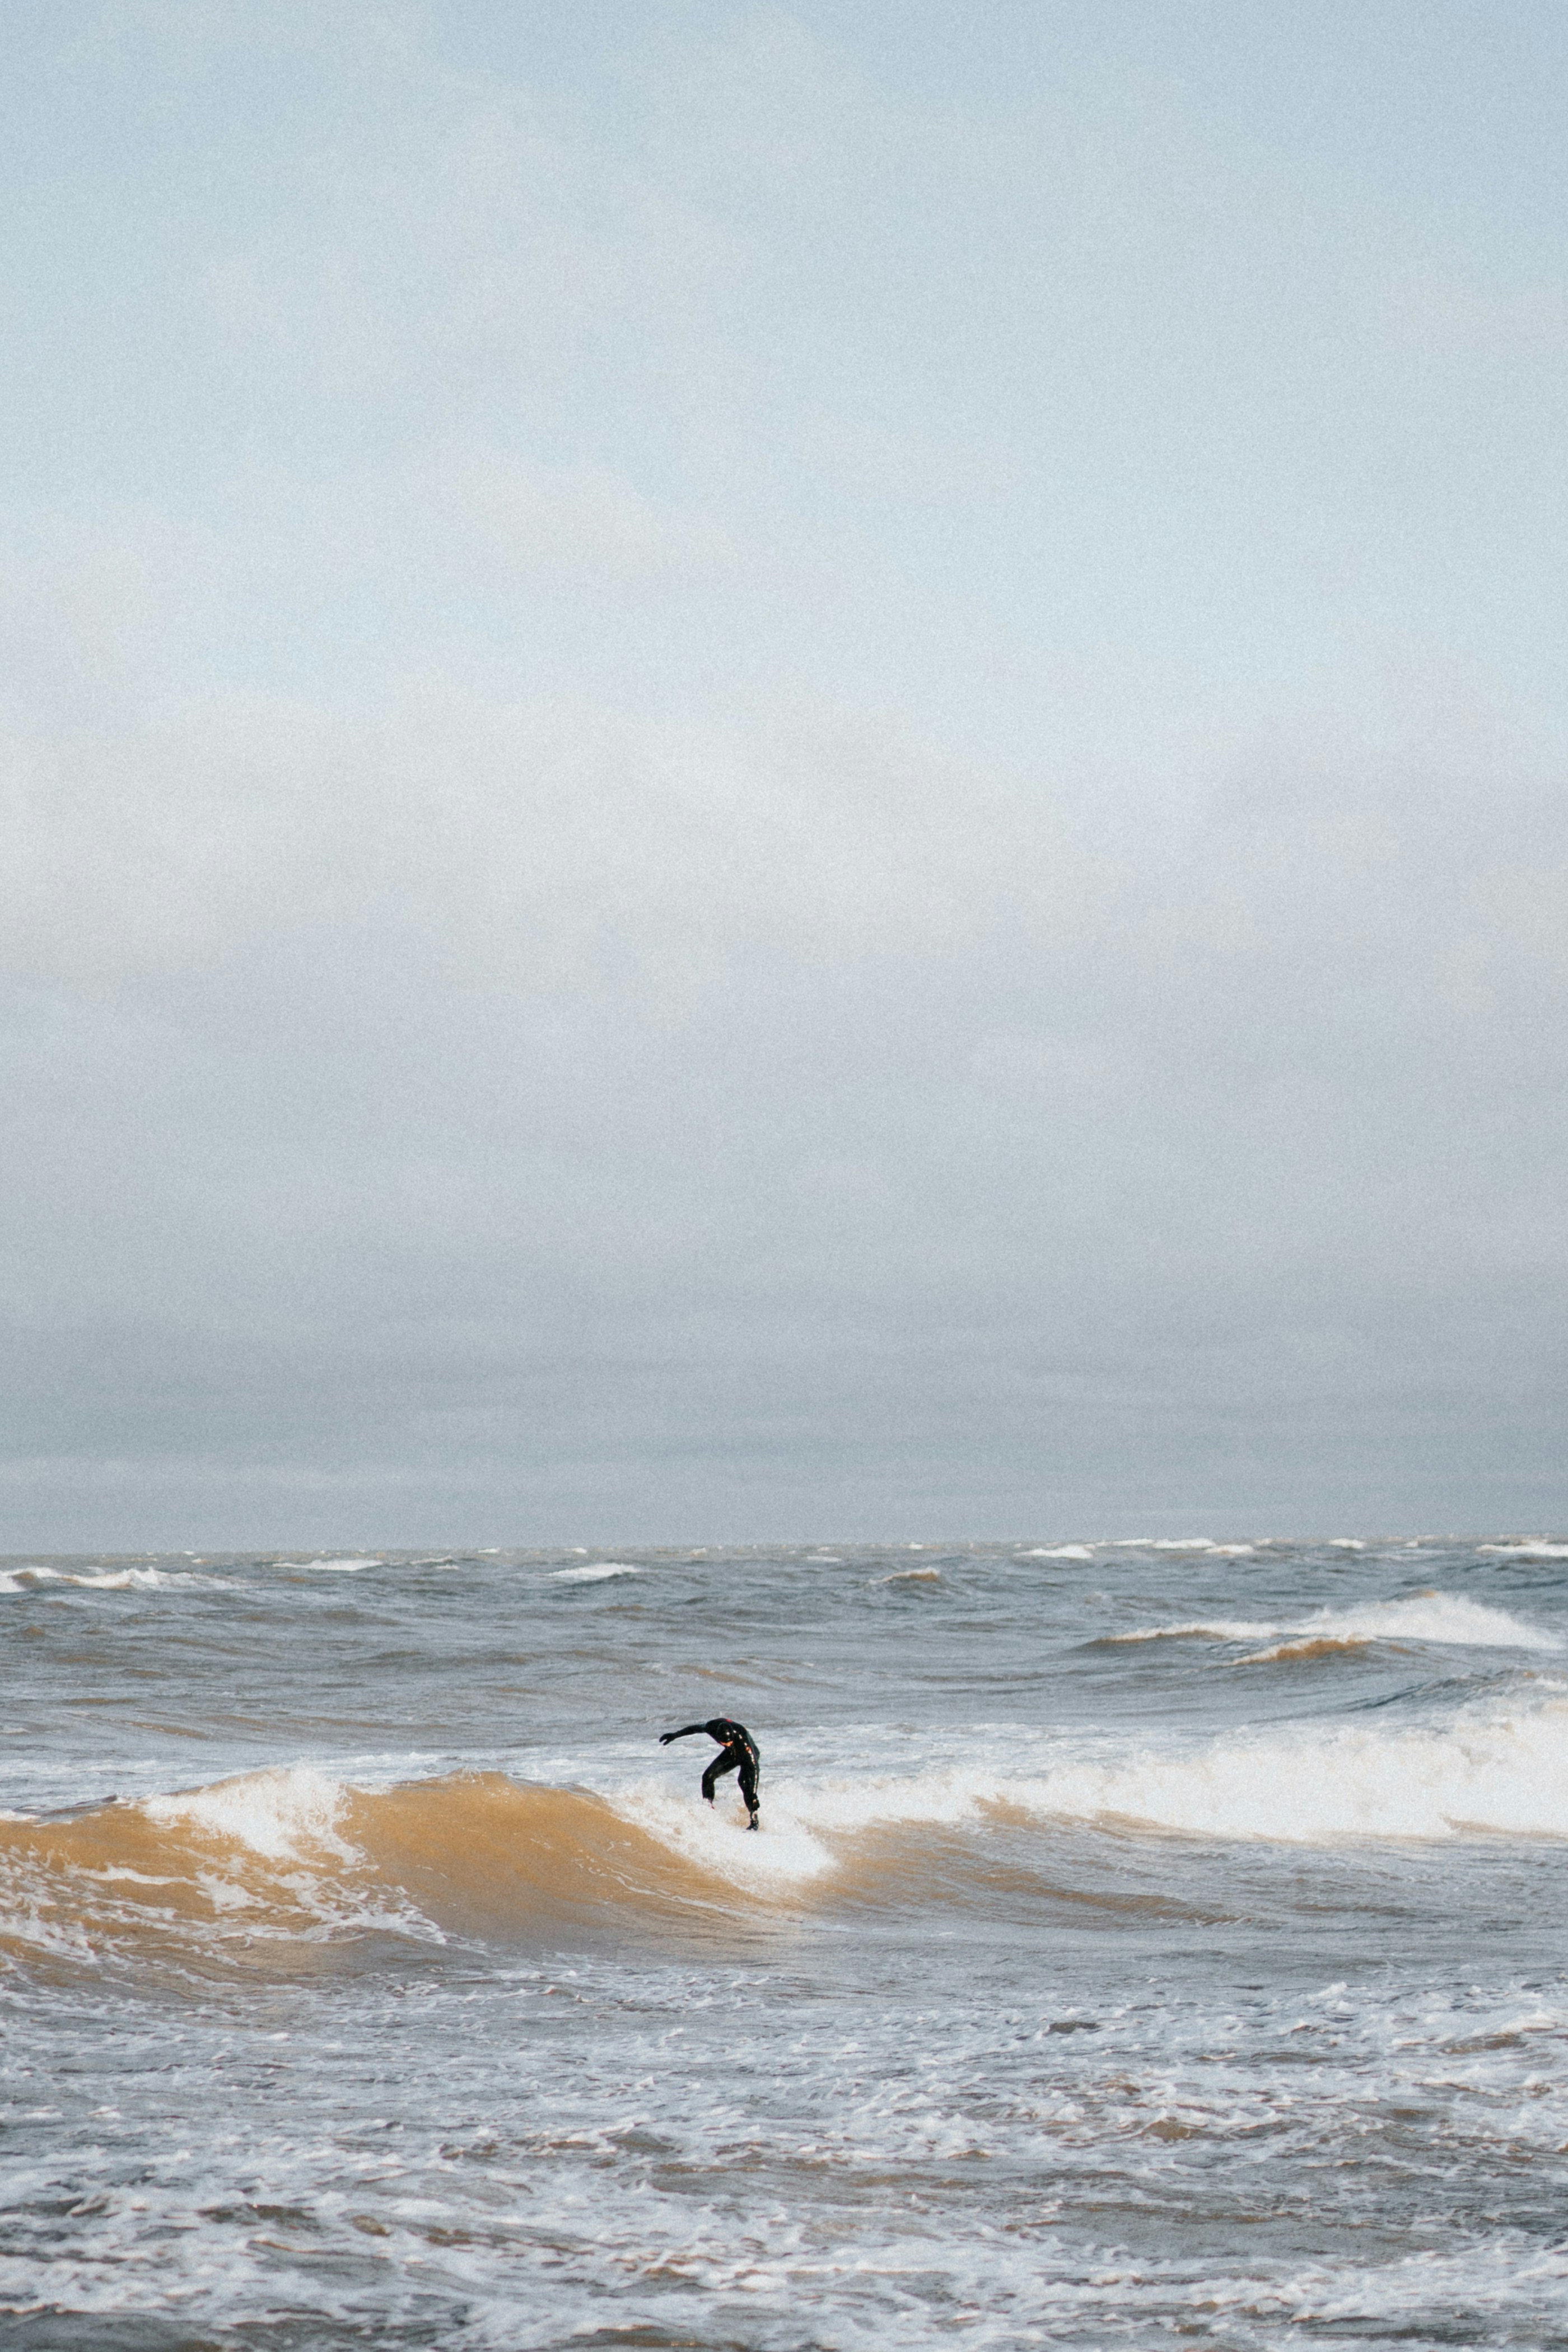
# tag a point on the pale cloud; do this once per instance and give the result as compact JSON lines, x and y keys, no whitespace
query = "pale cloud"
{"x":720,"y":807}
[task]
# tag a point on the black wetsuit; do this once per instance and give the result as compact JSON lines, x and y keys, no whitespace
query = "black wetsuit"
{"x":738,"y":1753}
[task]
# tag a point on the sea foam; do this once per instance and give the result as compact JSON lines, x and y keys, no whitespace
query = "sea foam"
{"x":1505,"y":1773}
{"x":278,"y":1814}
{"x":1500,"y":1771}
{"x":1447,"y":1618}
{"x":110,"y":1579}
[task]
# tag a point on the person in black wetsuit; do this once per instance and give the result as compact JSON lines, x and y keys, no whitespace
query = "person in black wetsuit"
{"x":738,"y":1753}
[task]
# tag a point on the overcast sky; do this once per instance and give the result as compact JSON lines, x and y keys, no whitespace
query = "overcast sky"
{"x":783,"y":771}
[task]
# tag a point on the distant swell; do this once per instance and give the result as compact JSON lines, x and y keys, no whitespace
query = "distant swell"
{"x":110,"y":1579}
{"x":1323,"y":1647}
{"x":1444,"y":1618}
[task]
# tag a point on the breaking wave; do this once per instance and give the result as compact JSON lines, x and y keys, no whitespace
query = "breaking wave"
{"x":336,"y":1567}
{"x":244,"y":1870}
{"x":108,"y":1579}
{"x":1185,"y":1543}
{"x":1498,"y":1774}
{"x":295,"y":1856}
{"x":1444,"y":1618}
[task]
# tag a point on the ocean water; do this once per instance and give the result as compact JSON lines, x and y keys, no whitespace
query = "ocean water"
{"x":1146,"y":1943}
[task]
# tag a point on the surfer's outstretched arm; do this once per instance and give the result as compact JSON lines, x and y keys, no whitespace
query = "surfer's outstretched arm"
{"x":666,"y":1736}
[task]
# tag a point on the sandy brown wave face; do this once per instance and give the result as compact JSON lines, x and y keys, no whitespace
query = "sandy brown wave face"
{"x":1285,"y":1653}
{"x":239,"y":1874}
{"x":481,"y":1855}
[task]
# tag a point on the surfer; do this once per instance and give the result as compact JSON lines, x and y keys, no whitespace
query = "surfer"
{"x":737,"y":1753}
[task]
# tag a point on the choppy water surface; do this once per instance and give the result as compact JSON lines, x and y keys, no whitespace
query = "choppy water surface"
{"x":1145,"y":1942}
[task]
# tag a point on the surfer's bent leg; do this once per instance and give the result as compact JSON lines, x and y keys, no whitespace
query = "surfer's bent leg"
{"x":725,"y":1761}
{"x":748,"y":1786}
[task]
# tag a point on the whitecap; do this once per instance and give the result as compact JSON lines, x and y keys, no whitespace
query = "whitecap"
{"x":1216,"y":1629}
{"x":337,"y":1566}
{"x":1495,"y":1770}
{"x":1500,"y":1772}
{"x":1164,"y":1543}
{"x":111,"y":1579}
{"x":272,"y":1813}
{"x":594,"y":1575}
{"x":784,"y":1854}
{"x":1444,"y":1618}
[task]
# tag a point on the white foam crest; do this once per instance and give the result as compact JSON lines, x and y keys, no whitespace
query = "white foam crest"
{"x":1058,"y":1552}
{"x":1445,"y":1618}
{"x":1216,"y":1629}
{"x":273,"y":1812}
{"x":1531,"y":1550}
{"x":783,"y":1852}
{"x":289,"y":1815}
{"x":1504,"y":1773}
{"x":942,"y":1799}
{"x":124,"y":1580}
{"x":108,"y":1580}
{"x":1494,"y":1771}
{"x":594,"y":1575}
{"x":798,"y":1814}
{"x":1164,"y":1543}
{"x":32,"y":1917}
